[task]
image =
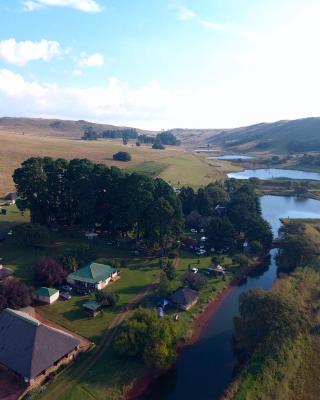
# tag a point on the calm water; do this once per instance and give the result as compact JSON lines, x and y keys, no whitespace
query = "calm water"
{"x":204,"y":370}
{"x":231,"y":157}
{"x":205,"y":150}
{"x":273,"y":173}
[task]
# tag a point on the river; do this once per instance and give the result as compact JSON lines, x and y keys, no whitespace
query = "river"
{"x":205,"y":369}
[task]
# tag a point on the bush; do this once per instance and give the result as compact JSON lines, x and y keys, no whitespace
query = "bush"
{"x":158,"y":146}
{"x":107,"y":299}
{"x":49,"y":272}
{"x":33,"y":235}
{"x":122,"y":156}
{"x":194,"y":281}
{"x":14,"y":294}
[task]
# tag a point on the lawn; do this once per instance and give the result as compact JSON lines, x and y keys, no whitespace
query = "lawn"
{"x":111,"y":377}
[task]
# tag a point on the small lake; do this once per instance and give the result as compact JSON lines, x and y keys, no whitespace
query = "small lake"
{"x":274,"y":173}
{"x":205,"y":150}
{"x":205,"y":369}
{"x":231,"y":157}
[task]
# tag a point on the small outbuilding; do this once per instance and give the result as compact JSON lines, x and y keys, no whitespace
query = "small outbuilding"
{"x":184,"y":298}
{"x":92,"y":307}
{"x":46,"y":295}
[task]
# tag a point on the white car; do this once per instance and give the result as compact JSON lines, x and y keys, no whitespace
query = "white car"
{"x":194,"y":270}
{"x":193,"y":230}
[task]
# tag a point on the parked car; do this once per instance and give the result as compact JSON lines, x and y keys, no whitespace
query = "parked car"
{"x":81,"y":291}
{"x":66,"y":288}
{"x":201,"y":252}
{"x":193,"y":230}
{"x":65,"y":296}
{"x":194,"y":270}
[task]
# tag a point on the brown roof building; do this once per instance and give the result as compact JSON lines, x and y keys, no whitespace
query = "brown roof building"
{"x":184,"y":298}
{"x":31,"y":349}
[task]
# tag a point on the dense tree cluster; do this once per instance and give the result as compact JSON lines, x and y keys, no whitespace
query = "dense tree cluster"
{"x":227,"y":210}
{"x":299,"y":146}
{"x":310,"y":160}
{"x":119,"y":133}
{"x":79,"y":192}
{"x":168,"y":138}
{"x":267,"y":320}
{"x":14,"y":294}
{"x":296,"y":247}
{"x":148,"y":338}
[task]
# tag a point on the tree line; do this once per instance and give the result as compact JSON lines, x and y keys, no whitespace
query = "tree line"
{"x":162,"y":138}
{"x":81,"y":193}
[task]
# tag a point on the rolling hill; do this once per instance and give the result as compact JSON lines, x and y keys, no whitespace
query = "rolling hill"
{"x":281,"y":136}
{"x":54,"y":127}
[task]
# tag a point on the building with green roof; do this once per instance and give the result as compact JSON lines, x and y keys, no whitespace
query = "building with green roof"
{"x":92,"y":307}
{"x":46,"y":295}
{"x":93,"y":276}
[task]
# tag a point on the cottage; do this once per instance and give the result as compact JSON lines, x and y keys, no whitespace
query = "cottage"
{"x":93,"y":276}
{"x":184,"y":298}
{"x":46,"y":295}
{"x":93,"y":308}
{"x":31,"y":349}
{"x":5,"y":272}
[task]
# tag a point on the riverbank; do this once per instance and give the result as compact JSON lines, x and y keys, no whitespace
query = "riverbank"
{"x":141,"y":386}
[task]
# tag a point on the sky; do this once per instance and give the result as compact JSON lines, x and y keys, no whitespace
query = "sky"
{"x":160,"y":64}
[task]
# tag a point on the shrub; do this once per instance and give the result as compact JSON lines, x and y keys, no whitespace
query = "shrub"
{"x":14,"y":294}
{"x":49,"y":272}
{"x":107,"y":299}
{"x":158,"y":146}
{"x":194,"y":281}
{"x":122,"y":156}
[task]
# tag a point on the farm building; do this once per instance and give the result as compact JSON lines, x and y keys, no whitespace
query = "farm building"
{"x":31,"y":349}
{"x":93,"y":308}
{"x":93,"y":276}
{"x":184,"y":298}
{"x":46,"y":295}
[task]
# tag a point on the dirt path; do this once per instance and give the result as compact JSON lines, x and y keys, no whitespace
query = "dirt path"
{"x":62,"y":387}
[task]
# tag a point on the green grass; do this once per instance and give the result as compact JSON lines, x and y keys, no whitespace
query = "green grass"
{"x":133,"y":279}
{"x":151,"y":169}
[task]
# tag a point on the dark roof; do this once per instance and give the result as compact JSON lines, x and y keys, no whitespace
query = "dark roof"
{"x":29,"y":347}
{"x":184,"y":296}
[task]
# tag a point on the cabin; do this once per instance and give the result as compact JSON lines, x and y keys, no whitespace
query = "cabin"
{"x":5,"y":272}
{"x":93,"y":276}
{"x":184,"y":298}
{"x":31,"y":349}
{"x":46,"y":295}
{"x":92,"y":308}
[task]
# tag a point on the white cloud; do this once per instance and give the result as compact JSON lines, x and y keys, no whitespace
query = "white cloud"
{"x":77,"y":72}
{"x":94,"y":60}
{"x":186,"y":14}
{"x":90,"y":6}
{"x":20,"y":53}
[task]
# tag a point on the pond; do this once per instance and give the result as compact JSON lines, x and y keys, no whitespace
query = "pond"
{"x":205,"y":369}
{"x":232,"y":157}
{"x":205,"y":150}
{"x":274,"y":173}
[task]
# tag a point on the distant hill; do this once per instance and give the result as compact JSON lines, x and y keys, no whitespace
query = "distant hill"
{"x":280,"y":136}
{"x":296,"y":135}
{"x":54,"y":127}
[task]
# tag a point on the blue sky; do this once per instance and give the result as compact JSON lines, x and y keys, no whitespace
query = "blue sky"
{"x":161,"y":63}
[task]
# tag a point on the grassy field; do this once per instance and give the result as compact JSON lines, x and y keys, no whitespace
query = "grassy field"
{"x":173,"y":164}
{"x":109,"y":377}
